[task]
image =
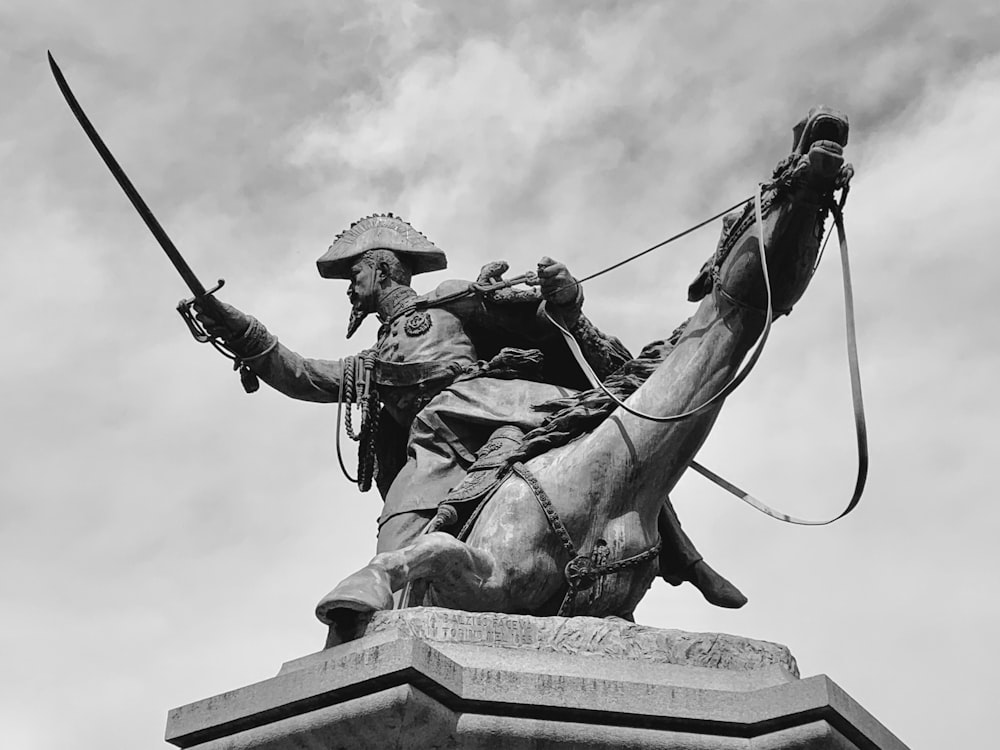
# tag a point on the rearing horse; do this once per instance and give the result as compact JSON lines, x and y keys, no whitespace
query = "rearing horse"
{"x":575,"y":529}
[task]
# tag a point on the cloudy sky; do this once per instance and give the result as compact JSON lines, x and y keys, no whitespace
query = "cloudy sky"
{"x":165,"y":537}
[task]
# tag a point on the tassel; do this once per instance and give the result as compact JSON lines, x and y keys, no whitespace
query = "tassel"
{"x":250,"y":381}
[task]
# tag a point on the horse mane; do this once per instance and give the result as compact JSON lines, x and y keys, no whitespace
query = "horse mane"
{"x":569,"y":418}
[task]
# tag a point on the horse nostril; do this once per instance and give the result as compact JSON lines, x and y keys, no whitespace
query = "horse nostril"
{"x":825,"y":161}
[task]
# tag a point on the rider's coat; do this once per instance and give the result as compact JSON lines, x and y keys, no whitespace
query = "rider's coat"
{"x":431,"y":380}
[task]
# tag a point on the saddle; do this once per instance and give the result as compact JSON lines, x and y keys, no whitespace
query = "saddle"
{"x":491,"y":467}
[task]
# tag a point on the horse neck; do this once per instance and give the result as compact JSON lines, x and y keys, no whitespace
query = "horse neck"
{"x":706,"y":357}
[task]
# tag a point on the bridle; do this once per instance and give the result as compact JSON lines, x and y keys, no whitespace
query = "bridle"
{"x":861,"y":431}
{"x":768,"y":312}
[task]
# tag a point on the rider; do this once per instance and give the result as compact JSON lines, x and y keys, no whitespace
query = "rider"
{"x":441,"y":401}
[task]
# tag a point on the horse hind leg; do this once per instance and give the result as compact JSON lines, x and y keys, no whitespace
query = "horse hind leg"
{"x":461,"y":576}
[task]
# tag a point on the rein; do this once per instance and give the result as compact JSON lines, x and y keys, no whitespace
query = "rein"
{"x":733,"y":383}
{"x":860,"y":428}
{"x":861,"y":431}
{"x":836,"y":209}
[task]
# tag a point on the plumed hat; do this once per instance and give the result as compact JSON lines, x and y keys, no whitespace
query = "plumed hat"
{"x":380,"y":231}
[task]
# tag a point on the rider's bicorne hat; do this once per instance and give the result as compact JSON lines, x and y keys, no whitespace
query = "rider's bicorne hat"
{"x":384,"y":232}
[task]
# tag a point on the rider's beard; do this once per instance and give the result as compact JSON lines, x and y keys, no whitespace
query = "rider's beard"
{"x":358,"y":315}
{"x":363,"y":301}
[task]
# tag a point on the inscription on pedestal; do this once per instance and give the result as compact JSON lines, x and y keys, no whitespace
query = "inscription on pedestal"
{"x":584,"y":636}
{"x":470,"y":627}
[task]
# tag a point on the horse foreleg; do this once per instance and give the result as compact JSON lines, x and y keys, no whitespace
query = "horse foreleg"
{"x":461,"y":576}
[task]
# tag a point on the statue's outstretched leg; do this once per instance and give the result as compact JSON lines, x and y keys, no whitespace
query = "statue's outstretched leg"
{"x":461,"y":575}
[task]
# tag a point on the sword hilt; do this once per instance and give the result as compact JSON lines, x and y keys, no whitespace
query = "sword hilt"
{"x":185,"y":309}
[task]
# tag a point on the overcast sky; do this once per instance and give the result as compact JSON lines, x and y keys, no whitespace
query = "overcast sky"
{"x":165,"y":537}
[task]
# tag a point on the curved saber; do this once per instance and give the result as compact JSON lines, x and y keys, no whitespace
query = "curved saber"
{"x":196,"y":287}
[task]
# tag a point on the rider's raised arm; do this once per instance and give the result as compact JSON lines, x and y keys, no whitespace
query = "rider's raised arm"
{"x":299,"y":377}
{"x":284,"y":370}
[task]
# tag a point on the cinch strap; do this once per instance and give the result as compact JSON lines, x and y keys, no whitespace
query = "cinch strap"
{"x":581,"y":573}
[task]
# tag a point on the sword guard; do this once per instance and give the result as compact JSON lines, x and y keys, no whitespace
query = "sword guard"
{"x":186,"y":310}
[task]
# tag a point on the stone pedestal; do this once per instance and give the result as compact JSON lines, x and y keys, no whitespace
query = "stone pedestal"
{"x":433,"y":678}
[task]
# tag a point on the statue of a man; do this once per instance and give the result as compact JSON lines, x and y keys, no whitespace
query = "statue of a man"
{"x":439,"y":398}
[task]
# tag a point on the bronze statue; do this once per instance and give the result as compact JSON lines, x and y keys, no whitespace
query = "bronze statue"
{"x":475,"y":417}
{"x":574,"y":530}
{"x":452,"y":375}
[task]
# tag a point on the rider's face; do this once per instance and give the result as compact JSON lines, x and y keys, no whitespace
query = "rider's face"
{"x":363,"y":289}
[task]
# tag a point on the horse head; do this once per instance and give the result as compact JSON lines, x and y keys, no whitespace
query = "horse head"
{"x":818,"y":142}
{"x":794,"y":207}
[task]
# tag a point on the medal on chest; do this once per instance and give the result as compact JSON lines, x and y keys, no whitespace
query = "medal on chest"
{"x":417,"y":323}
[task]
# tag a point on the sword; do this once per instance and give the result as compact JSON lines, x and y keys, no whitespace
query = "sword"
{"x":185,"y":306}
{"x":196,"y":287}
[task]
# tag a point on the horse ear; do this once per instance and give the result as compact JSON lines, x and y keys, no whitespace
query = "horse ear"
{"x":702,"y":284}
{"x":797,"y":131}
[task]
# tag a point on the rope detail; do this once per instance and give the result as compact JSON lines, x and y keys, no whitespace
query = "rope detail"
{"x":356,"y":388}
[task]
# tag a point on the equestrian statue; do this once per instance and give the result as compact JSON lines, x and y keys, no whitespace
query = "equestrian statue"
{"x":524,"y":457}
{"x":579,"y":528}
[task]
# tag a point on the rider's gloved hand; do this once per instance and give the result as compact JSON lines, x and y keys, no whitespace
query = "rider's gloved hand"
{"x":559,"y":288}
{"x":221,"y":320}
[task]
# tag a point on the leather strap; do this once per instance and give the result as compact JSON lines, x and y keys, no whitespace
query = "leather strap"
{"x":860,"y":427}
{"x":580,"y":572}
{"x":733,"y":383}
{"x":409,"y":374}
{"x":861,"y":431}
{"x":547,"y":507}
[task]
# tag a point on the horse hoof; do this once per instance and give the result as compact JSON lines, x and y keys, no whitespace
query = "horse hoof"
{"x":364,"y":592}
{"x":346,"y":625}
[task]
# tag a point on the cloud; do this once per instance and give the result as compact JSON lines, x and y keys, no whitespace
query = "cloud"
{"x":166,"y":527}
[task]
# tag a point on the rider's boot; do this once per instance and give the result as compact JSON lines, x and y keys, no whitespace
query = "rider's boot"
{"x":680,"y":561}
{"x":716,"y":589}
{"x":489,"y":467}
